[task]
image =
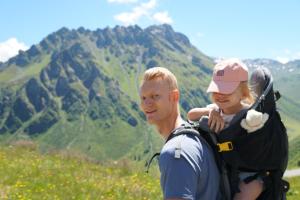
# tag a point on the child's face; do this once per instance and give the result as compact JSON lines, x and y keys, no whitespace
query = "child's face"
{"x":229,"y":103}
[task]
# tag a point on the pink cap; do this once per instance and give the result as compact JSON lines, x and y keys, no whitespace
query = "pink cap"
{"x":227,"y":76}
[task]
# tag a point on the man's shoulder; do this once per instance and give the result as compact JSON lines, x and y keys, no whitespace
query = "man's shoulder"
{"x":186,"y":143}
{"x":191,"y":145}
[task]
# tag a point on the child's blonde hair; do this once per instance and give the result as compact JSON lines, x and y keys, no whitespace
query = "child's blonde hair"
{"x":247,"y":95}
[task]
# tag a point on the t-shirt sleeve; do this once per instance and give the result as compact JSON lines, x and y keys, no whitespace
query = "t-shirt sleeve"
{"x":178,"y":177}
{"x":212,"y":106}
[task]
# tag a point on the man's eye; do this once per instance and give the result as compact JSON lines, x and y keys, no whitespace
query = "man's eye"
{"x":156,"y":96}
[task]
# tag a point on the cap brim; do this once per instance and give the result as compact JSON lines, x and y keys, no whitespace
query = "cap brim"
{"x":223,"y":87}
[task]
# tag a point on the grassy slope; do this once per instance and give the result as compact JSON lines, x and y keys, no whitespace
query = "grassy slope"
{"x":294,"y":192}
{"x":91,"y":138}
{"x":25,"y":174}
{"x":290,"y":114}
{"x":294,"y":159}
{"x":14,"y":75}
{"x":289,"y":82}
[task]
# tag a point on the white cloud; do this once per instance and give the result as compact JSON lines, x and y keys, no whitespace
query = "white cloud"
{"x":122,"y":1}
{"x":283,"y":60}
{"x":287,"y":56}
{"x":10,"y":48}
{"x":163,"y":17}
{"x":142,"y":10}
{"x":128,"y":18}
{"x":149,"y":5}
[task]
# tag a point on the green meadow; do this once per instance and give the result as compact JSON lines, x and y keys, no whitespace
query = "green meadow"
{"x":25,"y":173}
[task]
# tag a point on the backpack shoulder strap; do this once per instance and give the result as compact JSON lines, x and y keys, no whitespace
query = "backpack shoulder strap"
{"x":238,"y":116}
{"x":182,"y":130}
{"x":205,"y":135}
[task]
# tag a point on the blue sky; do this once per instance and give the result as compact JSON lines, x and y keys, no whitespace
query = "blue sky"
{"x":219,"y":28}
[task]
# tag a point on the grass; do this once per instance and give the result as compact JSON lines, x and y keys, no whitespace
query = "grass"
{"x":8,"y":74}
{"x":294,"y":155}
{"x":14,"y":74}
{"x":37,"y":67}
{"x":294,"y":192}
{"x":26,"y":174}
{"x":96,"y":141}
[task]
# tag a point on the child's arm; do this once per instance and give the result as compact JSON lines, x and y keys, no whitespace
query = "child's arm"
{"x":196,"y":113}
{"x":215,"y":121}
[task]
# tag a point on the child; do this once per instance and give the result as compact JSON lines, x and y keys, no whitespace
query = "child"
{"x":230,"y":95}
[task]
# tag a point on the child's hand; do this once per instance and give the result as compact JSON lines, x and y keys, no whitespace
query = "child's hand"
{"x":215,"y":121}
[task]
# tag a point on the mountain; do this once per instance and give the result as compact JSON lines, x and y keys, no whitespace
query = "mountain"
{"x":286,"y":76}
{"x":78,"y":89}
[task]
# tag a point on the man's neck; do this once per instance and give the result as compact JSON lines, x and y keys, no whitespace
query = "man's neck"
{"x":166,"y":128}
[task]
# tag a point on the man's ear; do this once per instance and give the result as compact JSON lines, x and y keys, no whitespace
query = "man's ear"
{"x":175,"y":95}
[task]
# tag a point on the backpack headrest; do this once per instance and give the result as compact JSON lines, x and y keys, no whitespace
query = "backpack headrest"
{"x":261,"y":83}
{"x":259,"y":80}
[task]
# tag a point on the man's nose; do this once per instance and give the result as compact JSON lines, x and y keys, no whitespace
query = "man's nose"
{"x":148,"y":101}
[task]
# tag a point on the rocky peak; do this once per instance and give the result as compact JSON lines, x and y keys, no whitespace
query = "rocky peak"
{"x":167,"y":32}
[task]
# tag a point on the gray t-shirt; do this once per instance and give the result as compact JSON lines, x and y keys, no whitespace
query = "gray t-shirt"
{"x":192,"y":176}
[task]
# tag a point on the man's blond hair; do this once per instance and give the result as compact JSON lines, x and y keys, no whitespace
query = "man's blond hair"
{"x":163,"y":74}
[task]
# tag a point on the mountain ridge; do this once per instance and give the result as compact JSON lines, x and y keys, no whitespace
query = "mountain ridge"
{"x":78,"y":89}
{"x":82,"y":78}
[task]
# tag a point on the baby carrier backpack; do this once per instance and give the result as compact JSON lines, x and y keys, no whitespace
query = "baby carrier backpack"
{"x":264,"y":151}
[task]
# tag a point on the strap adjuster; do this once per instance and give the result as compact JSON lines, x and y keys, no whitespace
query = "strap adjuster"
{"x":225,"y":146}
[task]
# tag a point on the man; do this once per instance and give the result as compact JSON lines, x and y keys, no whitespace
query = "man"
{"x":187,"y":165}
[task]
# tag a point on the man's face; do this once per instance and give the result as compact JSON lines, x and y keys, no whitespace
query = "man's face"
{"x":156,"y":101}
